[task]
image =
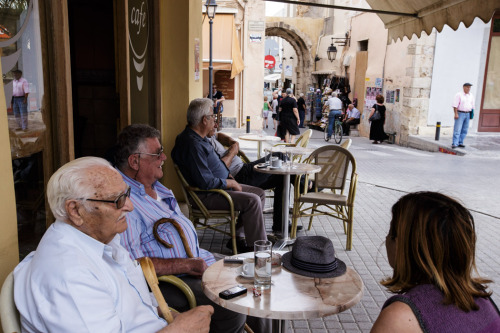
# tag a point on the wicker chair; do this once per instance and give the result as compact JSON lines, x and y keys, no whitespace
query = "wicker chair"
{"x":337,"y":164}
{"x":302,"y":141}
{"x":198,"y":211}
{"x":11,"y":321}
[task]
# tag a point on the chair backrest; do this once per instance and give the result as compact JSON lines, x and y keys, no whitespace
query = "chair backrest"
{"x":8,"y":312}
{"x":346,"y":144}
{"x":190,"y":195}
{"x":303,"y":140}
{"x":336,"y":163}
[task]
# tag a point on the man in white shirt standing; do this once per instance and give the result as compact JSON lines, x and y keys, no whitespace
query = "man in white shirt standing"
{"x":80,"y":279}
{"x":19,"y":101}
{"x":463,"y":105}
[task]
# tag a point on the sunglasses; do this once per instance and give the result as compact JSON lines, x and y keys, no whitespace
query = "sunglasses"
{"x":158,"y":155}
{"x":119,"y":201}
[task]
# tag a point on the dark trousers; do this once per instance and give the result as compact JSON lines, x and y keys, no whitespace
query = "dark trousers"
{"x":247,"y":175}
{"x":346,"y":125}
{"x":302,"y":116}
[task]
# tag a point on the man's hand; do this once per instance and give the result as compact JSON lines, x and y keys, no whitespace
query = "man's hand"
{"x":196,"y":320}
{"x":231,"y":183}
{"x":234,"y":148}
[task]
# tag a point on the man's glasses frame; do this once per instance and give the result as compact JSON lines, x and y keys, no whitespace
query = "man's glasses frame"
{"x":119,"y":201}
{"x":158,"y":155}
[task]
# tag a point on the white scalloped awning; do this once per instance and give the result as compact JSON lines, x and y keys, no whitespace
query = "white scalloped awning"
{"x":324,"y":72}
{"x":431,"y":14}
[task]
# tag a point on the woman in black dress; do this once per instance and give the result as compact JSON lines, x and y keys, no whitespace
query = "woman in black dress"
{"x":377,"y":133}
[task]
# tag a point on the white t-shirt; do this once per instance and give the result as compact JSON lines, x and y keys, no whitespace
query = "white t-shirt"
{"x":334,"y":103}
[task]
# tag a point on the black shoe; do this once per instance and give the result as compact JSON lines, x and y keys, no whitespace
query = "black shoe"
{"x":453,"y":146}
{"x":299,"y":228}
{"x":461,"y":146}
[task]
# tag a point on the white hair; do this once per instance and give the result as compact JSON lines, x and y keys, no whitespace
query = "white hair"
{"x":71,"y":181}
{"x":334,"y":94}
{"x":197,"y":109}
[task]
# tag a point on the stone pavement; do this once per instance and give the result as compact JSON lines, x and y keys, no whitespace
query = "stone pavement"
{"x":386,"y":172}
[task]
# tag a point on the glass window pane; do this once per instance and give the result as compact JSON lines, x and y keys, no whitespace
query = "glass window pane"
{"x":491,"y":96}
{"x":22,"y":74}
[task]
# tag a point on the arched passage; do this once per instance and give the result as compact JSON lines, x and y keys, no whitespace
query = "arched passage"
{"x":302,"y":46}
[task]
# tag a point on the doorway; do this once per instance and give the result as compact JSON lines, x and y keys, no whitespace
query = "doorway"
{"x":489,"y":119}
{"x":96,"y":106}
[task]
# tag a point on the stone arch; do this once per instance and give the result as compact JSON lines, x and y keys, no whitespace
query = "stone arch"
{"x":302,"y":46}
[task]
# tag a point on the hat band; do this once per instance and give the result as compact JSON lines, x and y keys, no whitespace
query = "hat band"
{"x":317,"y":268}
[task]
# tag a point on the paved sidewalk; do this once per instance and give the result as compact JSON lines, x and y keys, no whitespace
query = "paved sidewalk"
{"x":386,"y":172}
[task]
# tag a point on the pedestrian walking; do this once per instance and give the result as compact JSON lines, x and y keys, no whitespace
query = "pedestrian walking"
{"x":377,"y":133}
{"x":289,"y":116}
{"x":274,"y":107}
{"x":265,"y":112}
{"x":301,"y":103}
{"x":463,"y":105}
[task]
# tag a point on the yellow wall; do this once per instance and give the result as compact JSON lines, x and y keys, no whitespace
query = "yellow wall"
{"x":9,"y":252}
{"x":180,"y":24}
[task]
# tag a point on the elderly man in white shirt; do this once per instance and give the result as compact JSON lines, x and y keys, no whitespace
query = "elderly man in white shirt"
{"x":351,"y":118}
{"x":80,"y":279}
{"x":463,"y":105}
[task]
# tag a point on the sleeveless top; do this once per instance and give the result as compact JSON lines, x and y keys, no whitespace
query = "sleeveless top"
{"x":433,"y":316}
{"x":266,"y":106}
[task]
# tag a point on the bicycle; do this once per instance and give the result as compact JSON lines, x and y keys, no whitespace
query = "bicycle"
{"x":337,"y":130}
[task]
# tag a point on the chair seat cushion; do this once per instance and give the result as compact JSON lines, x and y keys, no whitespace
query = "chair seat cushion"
{"x":324,"y":198}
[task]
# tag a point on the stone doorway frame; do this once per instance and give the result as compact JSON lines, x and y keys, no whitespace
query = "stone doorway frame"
{"x":302,"y":46}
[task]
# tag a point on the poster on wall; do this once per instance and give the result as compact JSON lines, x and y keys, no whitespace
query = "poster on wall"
{"x":397,"y":95}
{"x":378,"y":82}
{"x":196,"y":59}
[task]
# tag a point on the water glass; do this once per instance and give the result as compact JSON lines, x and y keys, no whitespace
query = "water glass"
{"x":268,"y":153}
{"x":262,"y":271}
{"x":289,"y":157}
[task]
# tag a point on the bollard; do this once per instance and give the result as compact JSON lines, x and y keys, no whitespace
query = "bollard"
{"x":248,"y":124}
{"x":438,"y":130}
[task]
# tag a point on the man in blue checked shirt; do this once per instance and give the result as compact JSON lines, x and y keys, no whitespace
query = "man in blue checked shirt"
{"x":139,"y":157}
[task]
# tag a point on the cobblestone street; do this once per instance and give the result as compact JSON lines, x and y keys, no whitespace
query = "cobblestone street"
{"x":386,"y":172}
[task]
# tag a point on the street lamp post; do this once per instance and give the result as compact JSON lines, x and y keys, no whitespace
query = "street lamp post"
{"x":211,"y":7}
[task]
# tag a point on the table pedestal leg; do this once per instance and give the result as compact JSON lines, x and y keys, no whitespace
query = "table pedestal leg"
{"x":259,"y":149}
{"x":280,"y":326}
{"x":280,"y":244}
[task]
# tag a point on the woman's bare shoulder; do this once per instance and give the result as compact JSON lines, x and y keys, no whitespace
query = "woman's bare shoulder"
{"x":397,"y":317}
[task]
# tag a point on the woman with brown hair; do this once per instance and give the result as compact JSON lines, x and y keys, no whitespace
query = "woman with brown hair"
{"x":431,"y":247}
{"x":377,"y":133}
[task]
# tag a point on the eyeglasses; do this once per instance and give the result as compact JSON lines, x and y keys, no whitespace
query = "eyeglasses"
{"x":211,"y":116}
{"x":158,"y":155}
{"x":119,"y":201}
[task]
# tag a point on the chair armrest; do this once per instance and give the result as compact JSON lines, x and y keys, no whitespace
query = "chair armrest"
{"x":200,"y":204}
{"x":243,"y":156}
{"x":285,"y":144}
{"x":174,"y":280}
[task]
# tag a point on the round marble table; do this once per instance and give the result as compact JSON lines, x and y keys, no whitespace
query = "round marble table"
{"x":286,"y":171}
{"x":291,"y":296}
{"x":259,"y":139}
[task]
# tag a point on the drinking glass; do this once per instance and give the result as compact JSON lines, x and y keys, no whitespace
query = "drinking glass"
{"x":262,"y":271}
{"x":289,"y":157}
{"x":268,"y":153}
